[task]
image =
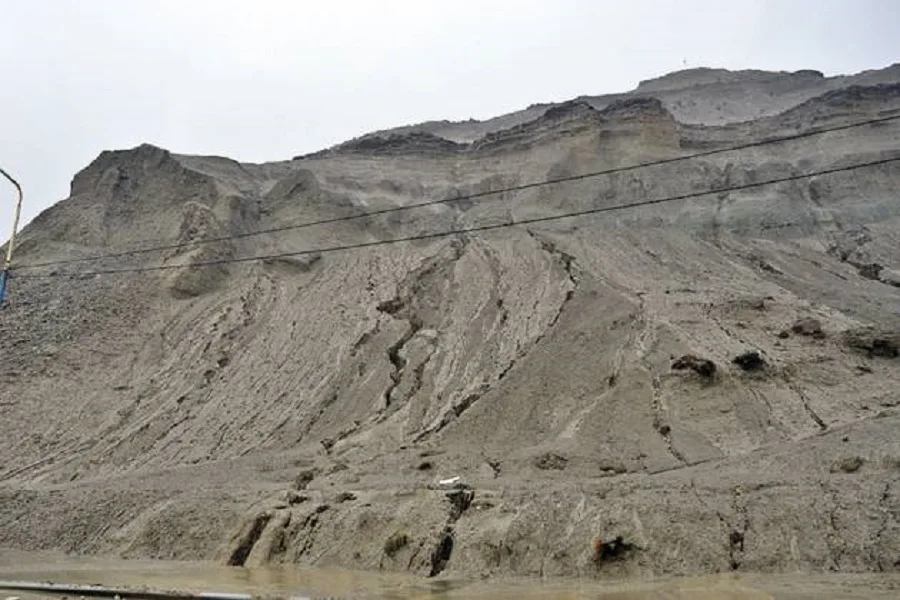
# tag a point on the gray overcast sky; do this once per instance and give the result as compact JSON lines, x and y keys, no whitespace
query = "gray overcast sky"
{"x":265,"y":80}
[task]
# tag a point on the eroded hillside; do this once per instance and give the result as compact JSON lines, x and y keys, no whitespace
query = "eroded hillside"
{"x":302,"y":408}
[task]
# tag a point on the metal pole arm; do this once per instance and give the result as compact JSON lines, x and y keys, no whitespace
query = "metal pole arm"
{"x":15,"y":227}
{"x":7,"y":263}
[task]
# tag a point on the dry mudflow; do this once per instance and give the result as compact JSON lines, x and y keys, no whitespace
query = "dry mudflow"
{"x":709,"y":385}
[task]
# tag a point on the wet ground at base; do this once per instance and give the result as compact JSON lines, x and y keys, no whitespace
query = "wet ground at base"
{"x":325,"y":583}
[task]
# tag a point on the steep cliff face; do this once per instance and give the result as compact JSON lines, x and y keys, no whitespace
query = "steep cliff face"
{"x":301,"y":408}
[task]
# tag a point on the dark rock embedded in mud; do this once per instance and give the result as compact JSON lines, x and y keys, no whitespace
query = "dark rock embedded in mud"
{"x":701,"y":366}
{"x":873,"y":341}
{"x":750,"y":360}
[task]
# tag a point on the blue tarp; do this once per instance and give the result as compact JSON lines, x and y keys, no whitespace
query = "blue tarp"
{"x":4,"y":280}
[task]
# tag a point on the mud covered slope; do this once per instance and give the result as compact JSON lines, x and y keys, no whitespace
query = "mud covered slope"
{"x":302,"y":408}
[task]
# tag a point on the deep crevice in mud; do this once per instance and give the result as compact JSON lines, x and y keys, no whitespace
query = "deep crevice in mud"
{"x":573,"y":272}
{"x":460,"y":501}
{"x":736,"y":537}
{"x":397,"y":361}
{"x":412,"y":304}
{"x":882,"y":505}
{"x":364,"y":338}
{"x":660,"y":420}
{"x":245,"y":545}
{"x":763,"y":399}
{"x":506,"y":370}
{"x":644,"y":342}
{"x":440,"y":556}
{"x":569,"y":266}
{"x":457,"y":410}
{"x":419,"y":378}
{"x":735,"y":549}
{"x":394,"y":307}
{"x":309,"y":525}
{"x":833,"y":535}
{"x":805,"y":400}
{"x":454,"y":412}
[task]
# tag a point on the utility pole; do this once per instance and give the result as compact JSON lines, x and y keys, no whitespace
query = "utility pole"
{"x":7,"y":262}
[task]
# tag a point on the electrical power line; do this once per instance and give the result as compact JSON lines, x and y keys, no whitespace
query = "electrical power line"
{"x":450,"y":200}
{"x":479,"y":228}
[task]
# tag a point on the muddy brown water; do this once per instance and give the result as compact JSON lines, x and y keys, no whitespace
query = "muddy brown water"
{"x":320,"y":583}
